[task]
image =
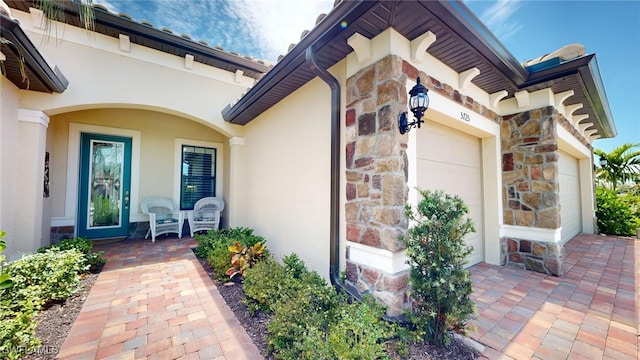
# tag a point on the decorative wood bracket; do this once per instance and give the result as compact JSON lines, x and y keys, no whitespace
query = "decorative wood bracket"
{"x":465,"y":77}
{"x":561,"y":97}
{"x":420,"y":45}
{"x":495,"y":98}
{"x":361,"y":45}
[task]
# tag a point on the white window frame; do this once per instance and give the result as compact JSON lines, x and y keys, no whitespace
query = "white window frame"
{"x":177,"y":181}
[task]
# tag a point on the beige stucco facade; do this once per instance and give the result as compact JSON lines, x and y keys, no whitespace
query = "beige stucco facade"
{"x":275,"y":172}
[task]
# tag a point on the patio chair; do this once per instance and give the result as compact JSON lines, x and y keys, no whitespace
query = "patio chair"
{"x":205,"y":214}
{"x":164,"y":217}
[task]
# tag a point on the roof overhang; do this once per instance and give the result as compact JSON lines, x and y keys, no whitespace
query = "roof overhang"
{"x":463,"y":43}
{"x":582,"y":75}
{"x":113,"y":25}
{"x":21,"y":53}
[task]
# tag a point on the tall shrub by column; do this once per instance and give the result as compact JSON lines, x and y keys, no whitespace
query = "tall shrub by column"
{"x":440,"y":286}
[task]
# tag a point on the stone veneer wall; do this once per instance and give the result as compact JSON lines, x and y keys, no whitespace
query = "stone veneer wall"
{"x":376,"y":169}
{"x":530,"y":187}
{"x":376,"y":187}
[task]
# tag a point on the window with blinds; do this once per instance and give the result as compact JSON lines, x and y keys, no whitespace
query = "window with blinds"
{"x":198,"y":175}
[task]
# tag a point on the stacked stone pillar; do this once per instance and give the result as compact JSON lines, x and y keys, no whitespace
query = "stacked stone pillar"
{"x":530,"y":188}
{"x":376,"y":177}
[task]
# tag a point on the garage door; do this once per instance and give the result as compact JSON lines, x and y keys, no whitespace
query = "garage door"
{"x":451,"y":161}
{"x":570,"y":210}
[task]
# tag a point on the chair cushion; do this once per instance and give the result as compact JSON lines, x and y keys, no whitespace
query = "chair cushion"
{"x":166,"y":221}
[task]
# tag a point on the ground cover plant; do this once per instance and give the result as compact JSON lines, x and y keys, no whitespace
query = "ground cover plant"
{"x":36,"y":282}
{"x":292,"y":313}
{"x":441,"y":287}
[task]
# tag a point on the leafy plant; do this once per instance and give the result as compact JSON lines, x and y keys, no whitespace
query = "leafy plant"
{"x":357,"y":332}
{"x":436,"y":251}
{"x":94,"y":260}
{"x":5,"y":278}
{"x":264,"y":284}
{"x":214,"y":246}
{"x":617,"y":213}
{"x":38,"y":279}
{"x":44,"y":277}
{"x":243,"y":257}
{"x":622,"y":165}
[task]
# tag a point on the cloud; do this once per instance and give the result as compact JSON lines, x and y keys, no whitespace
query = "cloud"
{"x":280,"y":22}
{"x":258,"y":28}
{"x":500,"y":18}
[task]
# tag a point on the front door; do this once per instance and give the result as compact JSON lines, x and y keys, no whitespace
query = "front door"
{"x":105,"y":179}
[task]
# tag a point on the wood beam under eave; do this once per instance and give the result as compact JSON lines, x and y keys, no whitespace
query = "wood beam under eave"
{"x":125,"y":43}
{"x":522,"y":98}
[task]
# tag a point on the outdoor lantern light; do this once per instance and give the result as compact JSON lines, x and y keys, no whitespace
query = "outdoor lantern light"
{"x":418,"y":103}
{"x":603,"y":162}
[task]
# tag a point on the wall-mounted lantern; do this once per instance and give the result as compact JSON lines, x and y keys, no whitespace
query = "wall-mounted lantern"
{"x":603,"y":162}
{"x":418,"y":103}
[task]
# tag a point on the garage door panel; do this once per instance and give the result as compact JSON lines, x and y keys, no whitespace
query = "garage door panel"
{"x":570,"y":201}
{"x":451,"y":161}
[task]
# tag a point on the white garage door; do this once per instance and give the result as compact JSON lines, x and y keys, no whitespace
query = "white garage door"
{"x":451,"y":161}
{"x":570,"y":210}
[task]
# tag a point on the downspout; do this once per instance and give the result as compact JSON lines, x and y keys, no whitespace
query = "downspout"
{"x":334,"y":258}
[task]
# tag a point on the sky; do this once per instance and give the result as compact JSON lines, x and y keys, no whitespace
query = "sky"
{"x":528,"y":29}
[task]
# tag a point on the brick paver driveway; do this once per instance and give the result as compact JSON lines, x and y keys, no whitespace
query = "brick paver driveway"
{"x":155,"y":301}
{"x":589,"y":313}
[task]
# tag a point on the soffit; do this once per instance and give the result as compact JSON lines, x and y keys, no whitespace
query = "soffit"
{"x":463,"y":42}
{"x":164,"y":40}
{"x":20,"y":55}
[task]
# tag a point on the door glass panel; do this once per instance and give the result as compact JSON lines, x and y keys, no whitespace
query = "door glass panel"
{"x":105,"y":180}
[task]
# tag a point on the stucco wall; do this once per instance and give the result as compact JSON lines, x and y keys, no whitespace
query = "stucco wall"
{"x":287,"y":176}
{"x":158,"y":132}
{"x":8,"y":146}
{"x":100,"y":74}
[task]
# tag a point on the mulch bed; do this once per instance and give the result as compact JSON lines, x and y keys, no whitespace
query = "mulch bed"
{"x":54,"y":323}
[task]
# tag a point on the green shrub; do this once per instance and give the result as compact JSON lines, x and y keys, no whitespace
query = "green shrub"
{"x":5,"y":278}
{"x":312,"y":306}
{"x":264,"y":284}
{"x":219,"y":257}
{"x":94,"y":260}
{"x":44,"y":277}
{"x":440,"y":285}
{"x":17,"y":332}
{"x":214,"y":246}
{"x":37,"y":280}
{"x":357,"y":332}
{"x":617,"y":213}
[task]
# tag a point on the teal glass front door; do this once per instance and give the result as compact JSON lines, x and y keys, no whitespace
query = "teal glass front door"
{"x":105,"y":179}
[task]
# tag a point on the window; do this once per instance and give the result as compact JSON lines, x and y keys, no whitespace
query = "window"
{"x":198,"y":175}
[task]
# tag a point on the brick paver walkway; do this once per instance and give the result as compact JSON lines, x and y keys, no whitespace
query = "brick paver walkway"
{"x":589,"y":313}
{"x":155,"y":301}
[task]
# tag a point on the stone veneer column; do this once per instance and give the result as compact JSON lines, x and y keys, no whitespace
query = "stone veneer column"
{"x":376,"y":187}
{"x":530,"y":188}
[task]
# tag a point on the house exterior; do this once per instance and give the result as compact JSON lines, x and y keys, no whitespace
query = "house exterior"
{"x":307,"y":152}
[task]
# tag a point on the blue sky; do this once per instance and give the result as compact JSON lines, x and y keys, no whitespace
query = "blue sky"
{"x":528,"y":29}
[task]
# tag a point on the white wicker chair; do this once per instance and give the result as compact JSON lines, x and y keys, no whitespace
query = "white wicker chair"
{"x":164,"y":217}
{"x":205,"y":214}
